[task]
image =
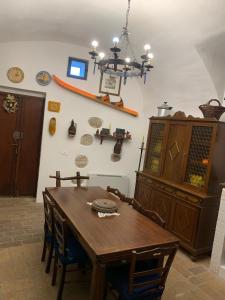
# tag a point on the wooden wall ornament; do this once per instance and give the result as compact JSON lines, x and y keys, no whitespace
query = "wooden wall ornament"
{"x":10,"y":103}
{"x":54,"y":106}
{"x":81,"y":161}
{"x":95,"y":122}
{"x":52,"y":126}
{"x":72,"y":129}
{"x":99,"y":99}
{"x":15,"y":75}
{"x":86,"y":140}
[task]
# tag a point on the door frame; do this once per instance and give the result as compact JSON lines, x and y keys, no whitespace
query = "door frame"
{"x":42,"y":95}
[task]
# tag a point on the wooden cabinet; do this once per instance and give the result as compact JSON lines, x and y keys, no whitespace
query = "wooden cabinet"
{"x":183,"y":168}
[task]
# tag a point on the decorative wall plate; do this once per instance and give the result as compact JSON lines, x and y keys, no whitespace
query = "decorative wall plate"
{"x":81,"y":161}
{"x":15,"y":75}
{"x":95,"y":122}
{"x":86,"y":139}
{"x":10,"y":103}
{"x":43,"y":78}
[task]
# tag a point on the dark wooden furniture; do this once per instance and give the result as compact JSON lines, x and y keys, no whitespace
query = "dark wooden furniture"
{"x":21,"y":134}
{"x":120,"y":195}
{"x":68,"y":250}
{"x":48,"y":231}
{"x":154,"y":216}
{"x":184,"y":164}
{"x":78,"y":178}
{"x":107,"y":240}
{"x":142,"y":280}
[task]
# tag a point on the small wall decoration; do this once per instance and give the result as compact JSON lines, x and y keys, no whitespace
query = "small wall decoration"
{"x":77,"y":68}
{"x":43,"y":78}
{"x":10,"y":103}
{"x":104,"y":100}
{"x":95,"y":122}
{"x":115,"y":157}
{"x":54,"y":106}
{"x":86,"y":139}
{"x":81,"y":161}
{"x":72,"y":129}
{"x":15,"y":75}
{"x":110,"y":84}
{"x":52,"y":126}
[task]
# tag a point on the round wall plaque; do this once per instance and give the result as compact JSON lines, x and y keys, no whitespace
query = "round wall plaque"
{"x":86,"y":139}
{"x":95,"y":122}
{"x":81,"y":161}
{"x":15,"y":75}
{"x":43,"y":78}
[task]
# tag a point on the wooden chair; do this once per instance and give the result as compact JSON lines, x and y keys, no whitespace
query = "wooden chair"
{"x":78,"y":178}
{"x":48,"y":231}
{"x":131,"y":282}
{"x":68,"y":250}
{"x":153,"y":215}
{"x":119,"y":194}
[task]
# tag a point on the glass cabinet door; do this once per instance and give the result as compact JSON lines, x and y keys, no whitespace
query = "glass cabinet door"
{"x":153,"y":160}
{"x":198,"y":156}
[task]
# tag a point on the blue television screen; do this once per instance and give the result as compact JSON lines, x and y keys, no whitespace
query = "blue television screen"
{"x":77,"y":68}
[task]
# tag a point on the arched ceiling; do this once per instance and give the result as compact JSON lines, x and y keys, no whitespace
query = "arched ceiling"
{"x":172,"y":27}
{"x":79,"y":21}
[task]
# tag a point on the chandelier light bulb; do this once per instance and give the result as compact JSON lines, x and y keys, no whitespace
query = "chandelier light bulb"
{"x":150,"y":55}
{"x":127,"y":60}
{"x":101,"y":55}
{"x":94,"y":44}
{"x":147,"y":47}
{"x":115,"y":41}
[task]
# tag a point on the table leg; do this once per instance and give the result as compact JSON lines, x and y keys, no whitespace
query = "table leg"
{"x":98,"y":281}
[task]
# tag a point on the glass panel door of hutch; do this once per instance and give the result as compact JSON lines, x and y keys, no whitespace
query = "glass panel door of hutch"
{"x":154,"y":148}
{"x":198,"y":156}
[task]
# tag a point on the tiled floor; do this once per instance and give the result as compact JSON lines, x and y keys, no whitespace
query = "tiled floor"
{"x":22,"y":275}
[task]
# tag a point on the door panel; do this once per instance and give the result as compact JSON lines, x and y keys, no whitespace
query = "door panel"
{"x":20,"y":140}
{"x":175,"y":152}
{"x":31,"y":129}
{"x":8,"y":123}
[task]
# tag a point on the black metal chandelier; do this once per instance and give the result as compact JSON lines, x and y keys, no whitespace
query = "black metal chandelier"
{"x":123,"y":67}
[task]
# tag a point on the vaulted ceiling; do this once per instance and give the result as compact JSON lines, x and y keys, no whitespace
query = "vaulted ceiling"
{"x":172,"y":27}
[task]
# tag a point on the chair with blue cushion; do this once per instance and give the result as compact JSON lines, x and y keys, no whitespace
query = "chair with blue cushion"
{"x":48,"y":231}
{"x":68,"y":250}
{"x":134,"y":281}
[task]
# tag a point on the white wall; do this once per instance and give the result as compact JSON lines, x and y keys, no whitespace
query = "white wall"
{"x":58,"y":152}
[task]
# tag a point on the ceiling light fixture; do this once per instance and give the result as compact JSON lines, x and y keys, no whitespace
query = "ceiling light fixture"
{"x":123,"y":67}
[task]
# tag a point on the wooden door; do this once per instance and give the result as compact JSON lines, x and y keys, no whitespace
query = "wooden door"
{"x":176,"y":152}
{"x":20,"y":134}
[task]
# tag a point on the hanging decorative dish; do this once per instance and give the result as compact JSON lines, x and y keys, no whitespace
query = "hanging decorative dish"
{"x":15,"y":75}
{"x":43,"y":78}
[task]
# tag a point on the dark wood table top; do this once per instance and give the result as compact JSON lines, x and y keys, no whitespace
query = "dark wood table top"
{"x":109,"y":236}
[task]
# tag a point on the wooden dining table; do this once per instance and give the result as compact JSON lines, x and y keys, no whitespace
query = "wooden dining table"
{"x":110,"y":239}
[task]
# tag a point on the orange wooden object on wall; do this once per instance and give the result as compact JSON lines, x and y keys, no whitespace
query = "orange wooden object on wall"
{"x":99,"y":99}
{"x":52,"y":126}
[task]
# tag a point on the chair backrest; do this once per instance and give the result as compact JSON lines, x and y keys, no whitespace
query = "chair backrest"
{"x":153,"y":215}
{"x":48,"y":210}
{"x":78,"y":178}
{"x":119,"y":194}
{"x":152,"y":280}
{"x":61,"y":231}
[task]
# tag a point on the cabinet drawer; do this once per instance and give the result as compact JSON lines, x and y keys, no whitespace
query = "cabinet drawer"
{"x":184,"y":221}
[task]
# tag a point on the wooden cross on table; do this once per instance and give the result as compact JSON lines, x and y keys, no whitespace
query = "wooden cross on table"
{"x":77,"y":178}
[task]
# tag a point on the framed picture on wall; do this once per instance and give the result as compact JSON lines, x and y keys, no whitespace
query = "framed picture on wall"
{"x":110,"y":84}
{"x":77,"y":68}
